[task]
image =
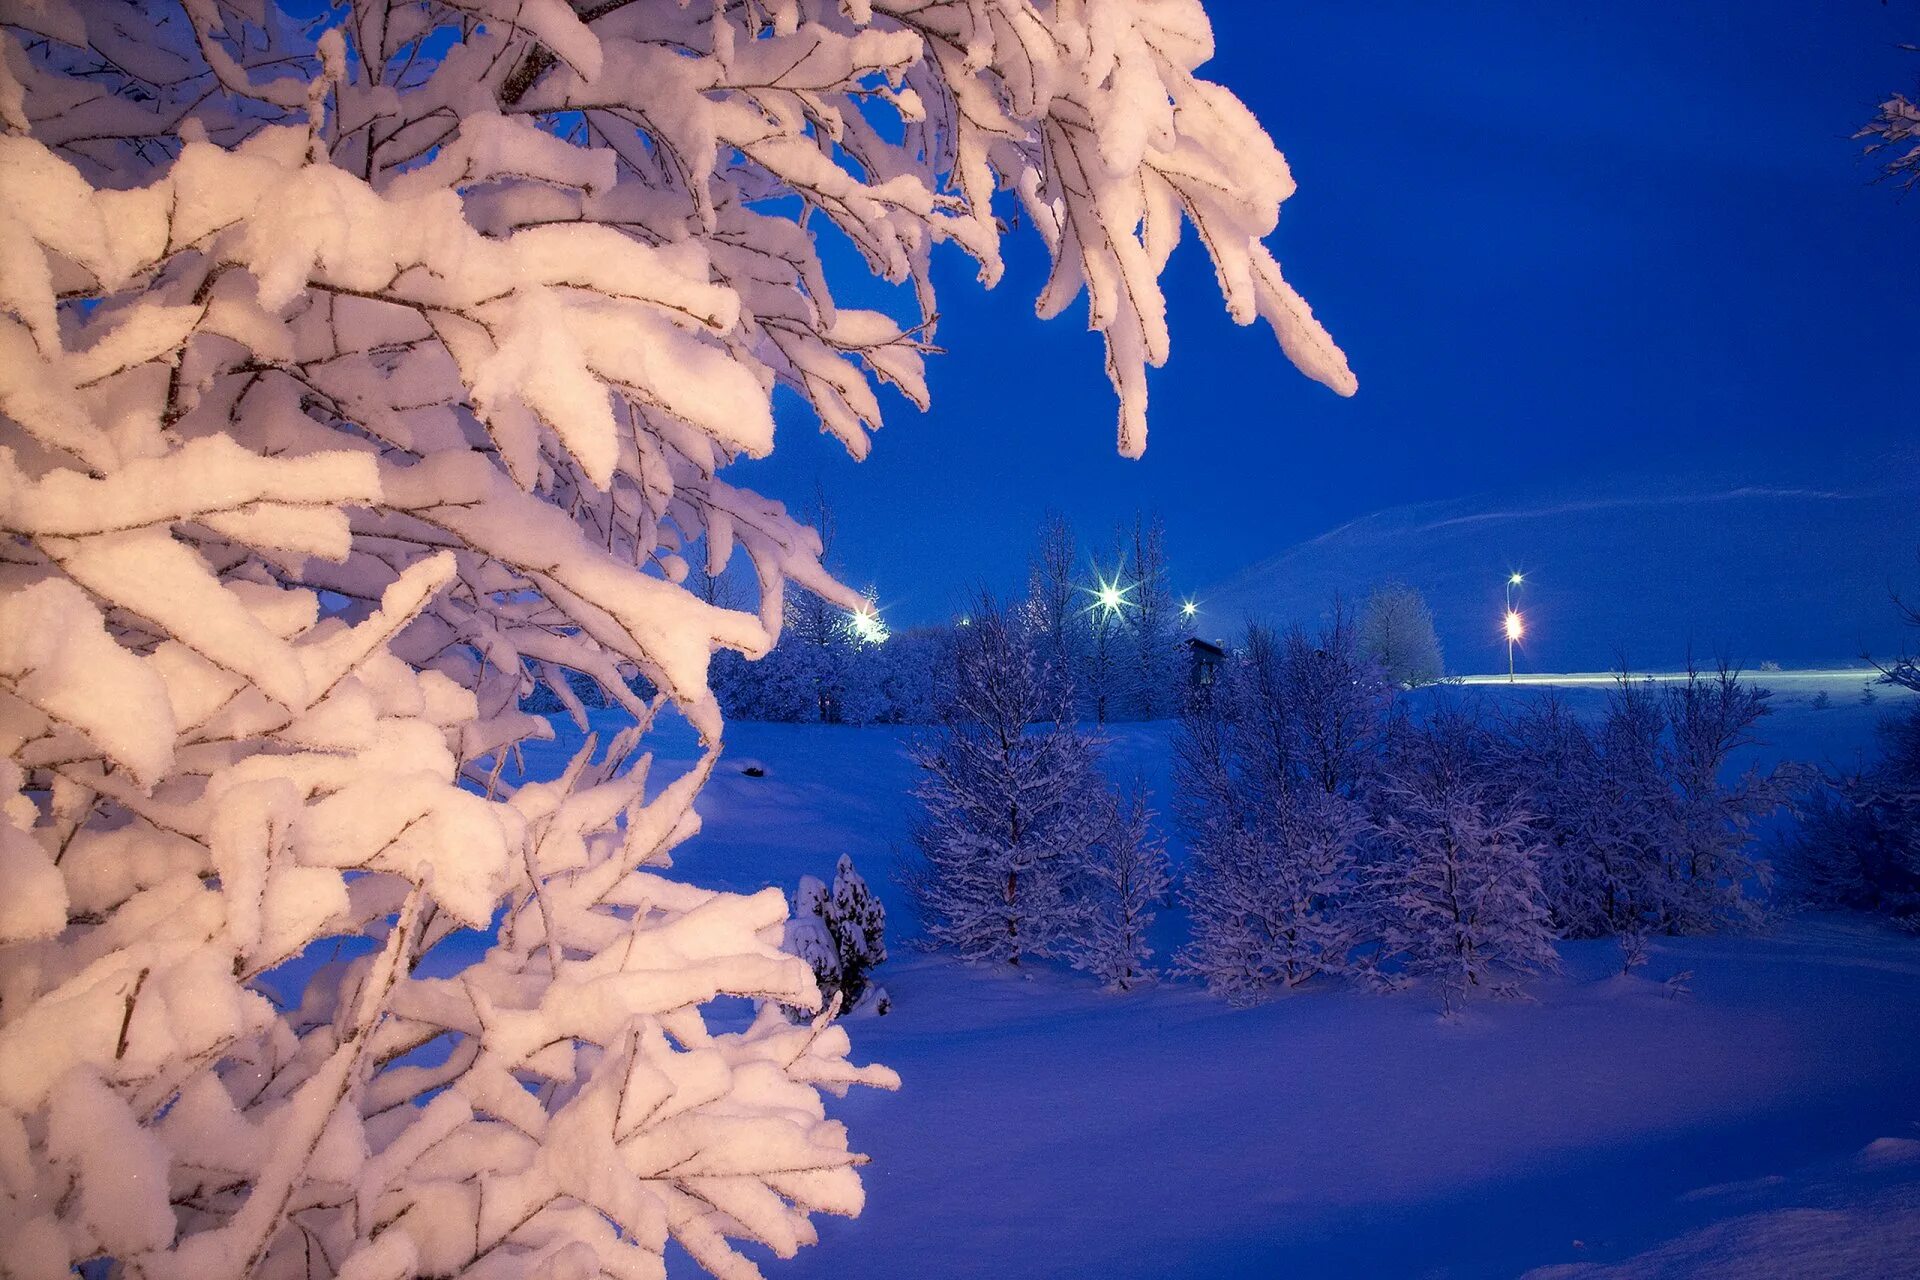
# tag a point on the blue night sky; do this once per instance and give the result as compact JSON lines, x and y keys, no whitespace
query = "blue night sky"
{"x":1569,"y":250}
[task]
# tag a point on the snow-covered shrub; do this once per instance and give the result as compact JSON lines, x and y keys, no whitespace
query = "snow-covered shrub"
{"x":1596,"y":795}
{"x":360,"y":367}
{"x":1126,"y":881}
{"x":858,"y":924}
{"x":1012,"y":802}
{"x":1710,"y":875}
{"x":1858,"y":841}
{"x":1642,"y":825}
{"x":808,"y":937}
{"x":1454,"y":888}
{"x":1396,"y":631}
{"x":841,"y":934}
{"x":1272,"y":769}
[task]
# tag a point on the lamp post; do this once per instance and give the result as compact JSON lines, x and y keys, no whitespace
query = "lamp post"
{"x":1515,"y":627}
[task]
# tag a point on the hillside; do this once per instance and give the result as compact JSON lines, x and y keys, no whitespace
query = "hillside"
{"x":1795,"y":576}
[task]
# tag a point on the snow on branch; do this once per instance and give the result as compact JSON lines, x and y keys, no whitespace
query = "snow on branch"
{"x":360,"y":371}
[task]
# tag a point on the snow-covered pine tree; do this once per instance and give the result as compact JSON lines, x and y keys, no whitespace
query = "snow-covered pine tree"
{"x":840,"y":933}
{"x":858,"y":924}
{"x":1127,"y":875}
{"x":1396,"y":631}
{"x":1454,"y":887}
{"x":808,"y":937}
{"x":1011,"y":799}
{"x":362,"y":365}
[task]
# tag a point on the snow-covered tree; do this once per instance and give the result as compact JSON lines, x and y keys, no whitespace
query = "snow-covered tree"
{"x":1150,"y":615}
{"x":1454,"y":889}
{"x":1271,"y":774}
{"x":1127,"y":877}
{"x":1396,"y":631}
{"x":858,"y":924}
{"x":1053,"y":605}
{"x":1012,"y":802}
{"x":1858,"y":842}
{"x":1709,"y":867}
{"x":1894,"y":138}
{"x":361,"y":366}
{"x":1595,"y":796}
{"x":841,"y":934}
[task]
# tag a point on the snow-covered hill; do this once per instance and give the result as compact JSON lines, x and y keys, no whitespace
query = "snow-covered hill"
{"x":1798,"y":576}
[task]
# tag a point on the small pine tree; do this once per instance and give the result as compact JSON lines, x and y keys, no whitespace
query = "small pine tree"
{"x":857,"y":924}
{"x":808,"y":937}
{"x":1011,"y":801}
{"x":841,"y":935}
{"x":1128,"y":877}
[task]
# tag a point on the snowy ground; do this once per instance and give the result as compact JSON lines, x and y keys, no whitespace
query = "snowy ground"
{"x":1764,"y":1125}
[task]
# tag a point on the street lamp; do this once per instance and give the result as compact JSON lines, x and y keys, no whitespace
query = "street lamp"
{"x":1516,"y":627}
{"x":867,"y":626}
{"x":1111,"y":596}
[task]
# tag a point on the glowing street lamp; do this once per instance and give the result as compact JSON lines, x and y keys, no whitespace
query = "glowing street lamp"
{"x":1109,"y":596}
{"x":1516,"y":627}
{"x":867,"y":626}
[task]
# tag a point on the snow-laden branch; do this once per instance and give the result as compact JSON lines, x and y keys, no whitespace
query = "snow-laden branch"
{"x":358,"y":372}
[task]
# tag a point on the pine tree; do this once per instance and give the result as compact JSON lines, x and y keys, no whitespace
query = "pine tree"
{"x":841,"y":935}
{"x":858,"y":925}
{"x":1011,"y":802}
{"x":809,"y":937}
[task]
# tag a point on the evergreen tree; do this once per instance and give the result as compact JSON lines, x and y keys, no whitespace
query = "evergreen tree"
{"x":841,"y":934}
{"x":858,"y":925}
